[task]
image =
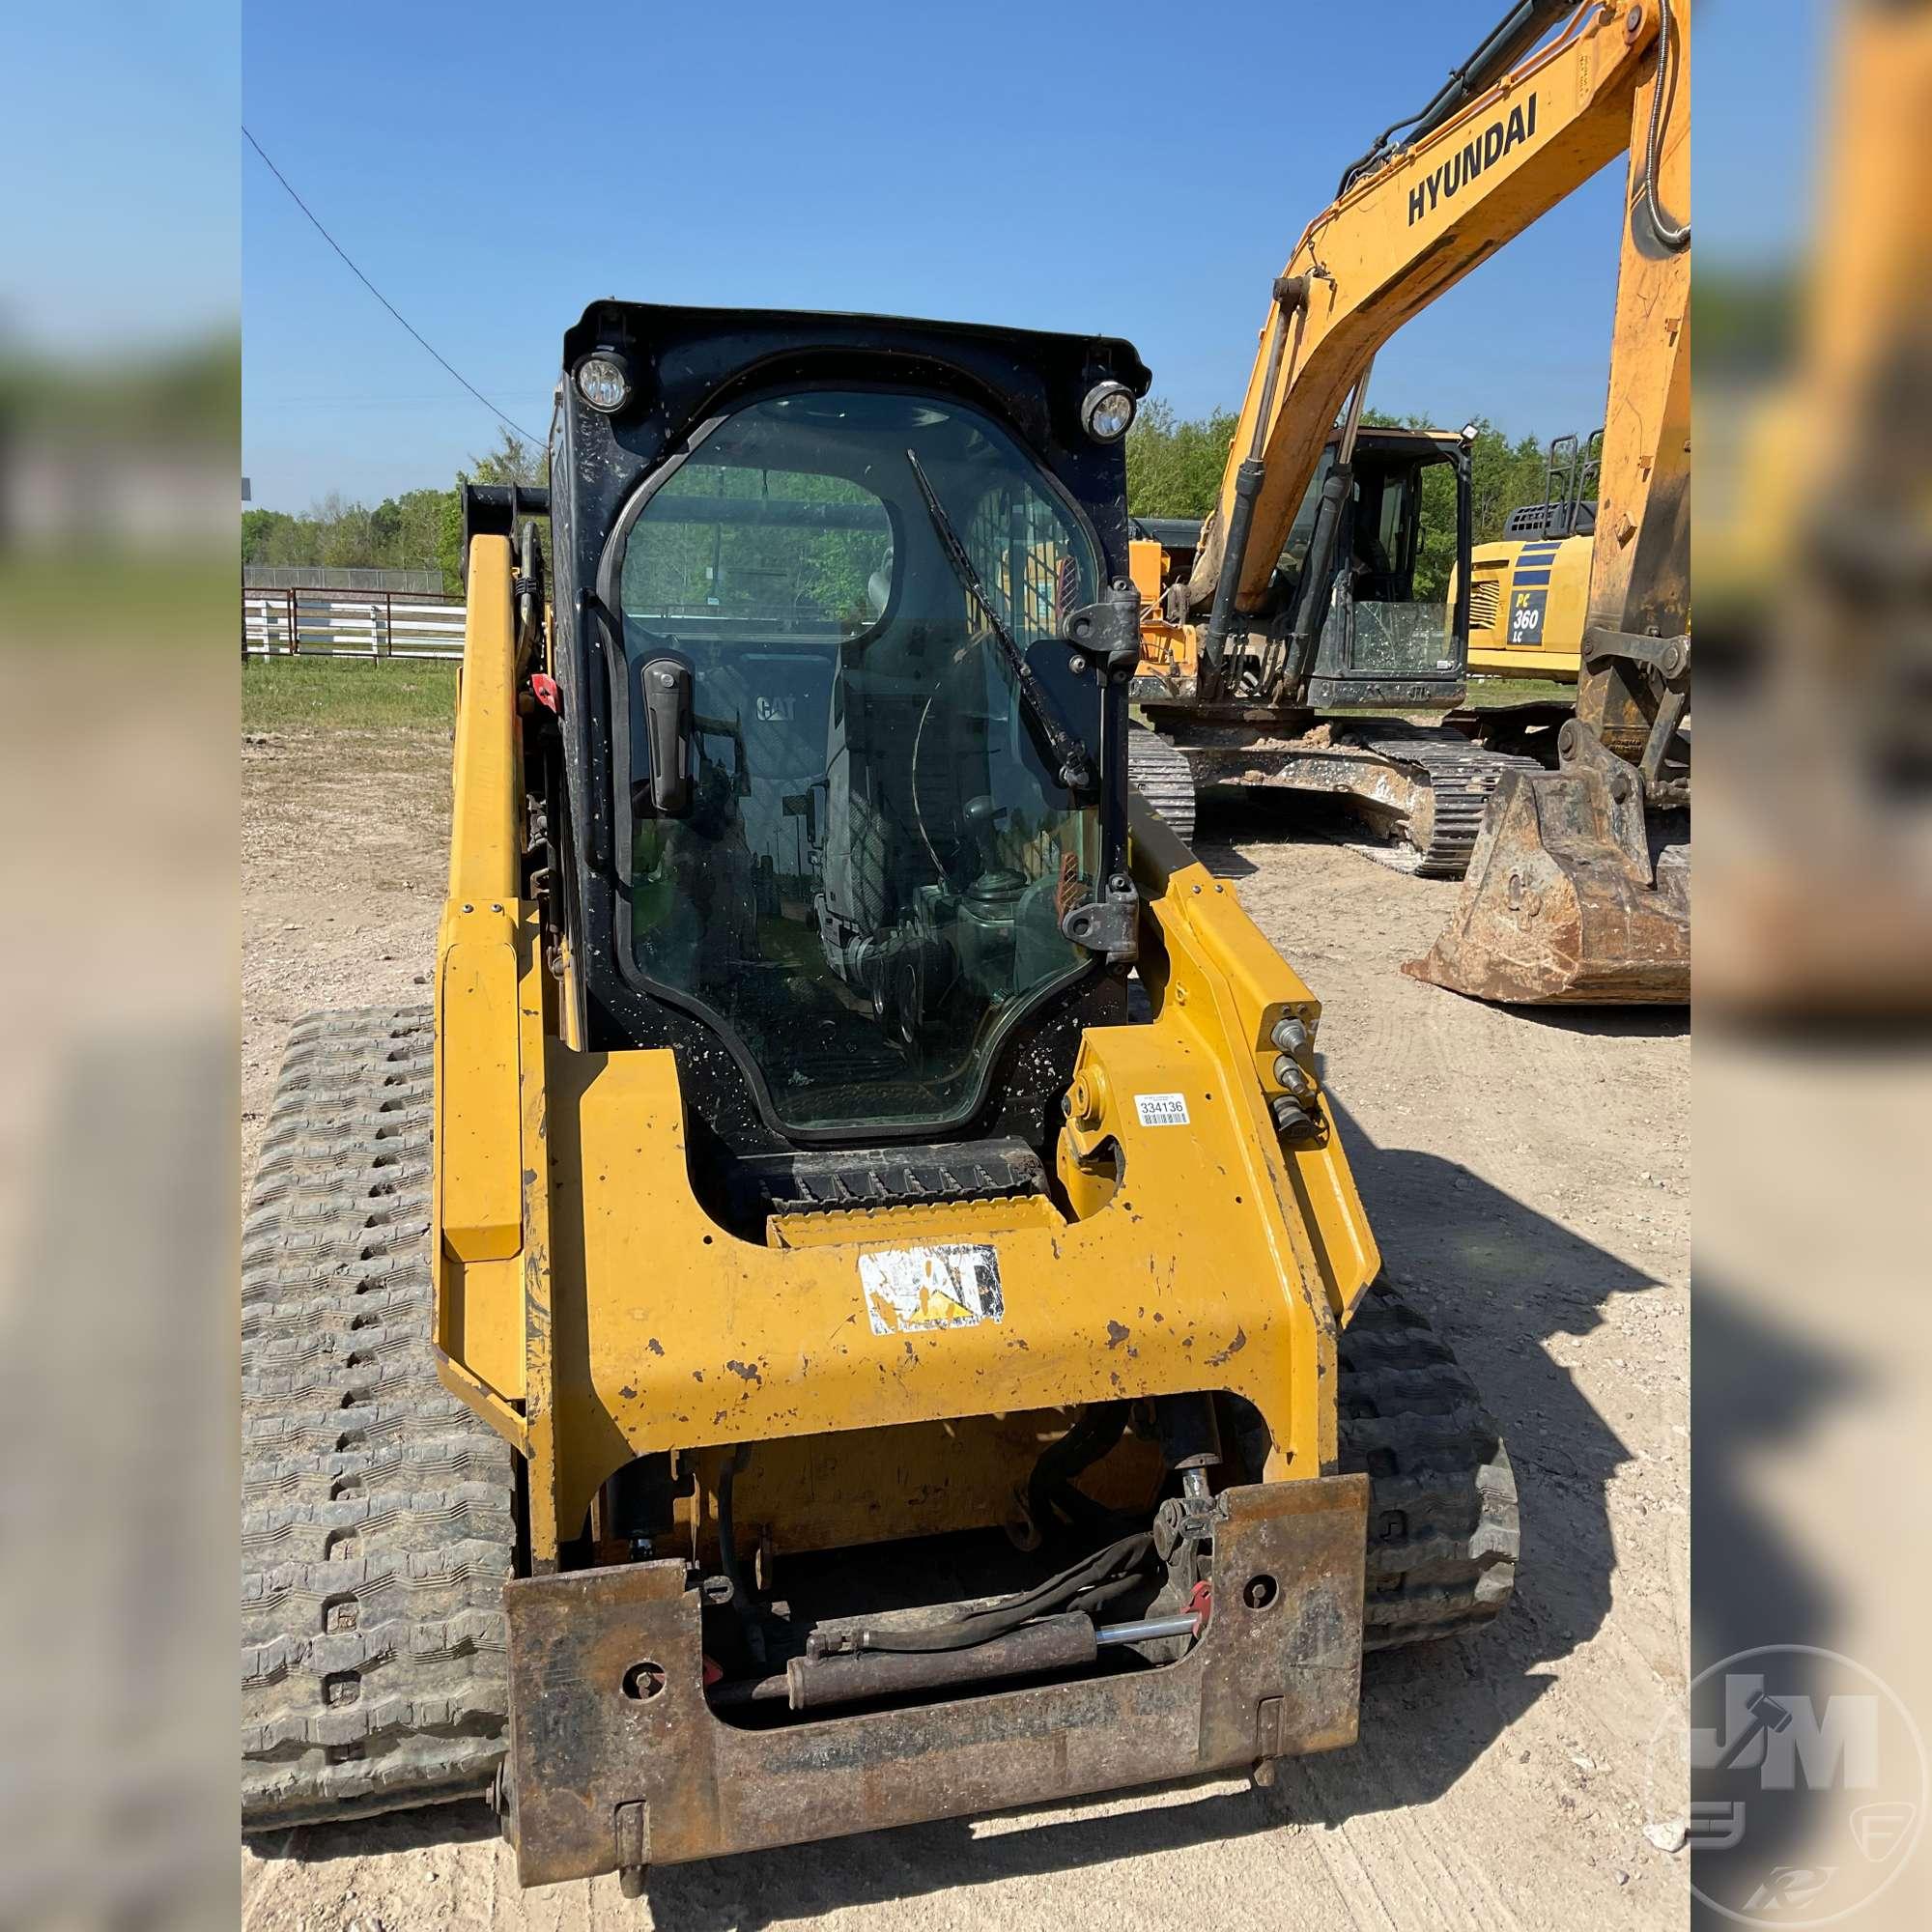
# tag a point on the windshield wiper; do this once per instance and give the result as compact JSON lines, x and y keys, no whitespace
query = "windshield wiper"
{"x":1057,"y":747}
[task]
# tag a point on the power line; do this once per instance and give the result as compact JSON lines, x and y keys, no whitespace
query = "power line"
{"x":517,"y":428}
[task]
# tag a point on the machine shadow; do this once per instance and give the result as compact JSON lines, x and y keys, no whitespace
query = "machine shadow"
{"x":1611,"y":1022}
{"x":1499,"y":1280}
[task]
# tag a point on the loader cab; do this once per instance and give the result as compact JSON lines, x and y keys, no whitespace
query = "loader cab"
{"x":842,"y":753}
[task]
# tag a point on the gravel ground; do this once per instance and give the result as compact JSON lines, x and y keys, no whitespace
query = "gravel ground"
{"x":1528,"y":1178}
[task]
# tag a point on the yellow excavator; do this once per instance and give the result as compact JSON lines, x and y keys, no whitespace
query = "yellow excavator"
{"x":1297,"y":603}
{"x":1529,"y":592}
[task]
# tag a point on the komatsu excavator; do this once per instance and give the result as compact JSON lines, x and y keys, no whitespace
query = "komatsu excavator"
{"x":1295,"y":603}
{"x":1529,"y":592}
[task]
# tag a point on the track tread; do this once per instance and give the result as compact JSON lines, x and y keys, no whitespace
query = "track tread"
{"x":1162,"y":776}
{"x":1443,"y":1528}
{"x":378,"y":1526}
{"x":1460,"y":777}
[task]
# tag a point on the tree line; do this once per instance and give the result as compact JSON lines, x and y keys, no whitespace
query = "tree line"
{"x":422,"y":530}
{"x":1174,"y":469}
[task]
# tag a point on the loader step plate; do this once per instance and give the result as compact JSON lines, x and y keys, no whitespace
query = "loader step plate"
{"x":377,"y":1529}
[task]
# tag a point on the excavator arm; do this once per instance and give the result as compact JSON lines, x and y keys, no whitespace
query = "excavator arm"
{"x":1578,"y":884}
{"x":1410,"y":221}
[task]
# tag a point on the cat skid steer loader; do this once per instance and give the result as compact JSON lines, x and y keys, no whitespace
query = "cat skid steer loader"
{"x":854,"y":1309}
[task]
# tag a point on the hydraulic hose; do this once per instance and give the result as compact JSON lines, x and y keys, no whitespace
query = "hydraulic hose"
{"x":1090,"y":1582}
{"x":1674,"y":235}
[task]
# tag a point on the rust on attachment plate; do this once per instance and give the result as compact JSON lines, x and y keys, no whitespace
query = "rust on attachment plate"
{"x":1562,"y":904}
{"x":617,"y":1759}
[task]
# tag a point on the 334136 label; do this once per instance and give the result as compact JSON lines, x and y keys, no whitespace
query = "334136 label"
{"x":1161,"y":1110}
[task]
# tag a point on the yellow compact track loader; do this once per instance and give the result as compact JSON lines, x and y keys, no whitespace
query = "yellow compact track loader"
{"x":854,"y":1309}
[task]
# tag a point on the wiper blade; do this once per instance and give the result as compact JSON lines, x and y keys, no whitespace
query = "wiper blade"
{"x":1057,"y":747}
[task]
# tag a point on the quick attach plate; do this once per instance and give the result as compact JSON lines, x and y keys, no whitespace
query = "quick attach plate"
{"x":617,"y":1760}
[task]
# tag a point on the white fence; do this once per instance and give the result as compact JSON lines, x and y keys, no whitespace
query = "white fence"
{"x":349,"y":624}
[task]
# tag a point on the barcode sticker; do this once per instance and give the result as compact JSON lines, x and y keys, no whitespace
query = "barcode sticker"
{"x":1161,"y":1110}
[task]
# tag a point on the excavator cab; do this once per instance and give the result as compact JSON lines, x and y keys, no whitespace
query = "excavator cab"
{"x":1388,"y":625}
{"x":1396,"y":630}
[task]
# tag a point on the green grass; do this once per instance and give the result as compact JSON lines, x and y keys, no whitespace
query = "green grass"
{"x":1489,"y":690}
{"x":345,"y":693}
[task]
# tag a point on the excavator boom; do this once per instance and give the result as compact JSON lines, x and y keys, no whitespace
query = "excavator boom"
{"x":1578,"y":890}
{"x":1395,"y":239}
{"x":1295,"y":599}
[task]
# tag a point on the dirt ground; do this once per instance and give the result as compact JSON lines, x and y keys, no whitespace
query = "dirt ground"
{"x":1528,"y":1180}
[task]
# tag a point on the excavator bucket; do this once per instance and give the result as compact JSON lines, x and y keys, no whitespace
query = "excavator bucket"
{"x":1565,"y":903}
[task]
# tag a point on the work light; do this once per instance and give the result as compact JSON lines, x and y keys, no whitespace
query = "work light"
{"x":604,"y":381}
{"x":1107,"y":411}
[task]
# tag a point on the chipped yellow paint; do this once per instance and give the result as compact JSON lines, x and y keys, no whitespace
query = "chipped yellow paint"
{"x":627,"y":1322}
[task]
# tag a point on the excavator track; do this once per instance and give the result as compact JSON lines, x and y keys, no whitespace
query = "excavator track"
{"x":376,"y":1525}
{"x":1459,"y":778}
{"x":1443,"y":1530}
{"x":1163,"y":777}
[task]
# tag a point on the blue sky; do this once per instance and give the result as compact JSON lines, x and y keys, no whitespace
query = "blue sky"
{"x":118,"y":141}
{"x":493,"y":167}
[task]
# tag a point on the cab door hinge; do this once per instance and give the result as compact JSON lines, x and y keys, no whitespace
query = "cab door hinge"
{"x":1109,"y":924}
{"x":1110,"y":628}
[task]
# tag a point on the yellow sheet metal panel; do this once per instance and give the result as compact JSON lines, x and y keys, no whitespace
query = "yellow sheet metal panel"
{"x":1147,"y":564}
{"x":1486,"y":593}
{"x":1168,"y":650}
{"x":489,"y":1002}
{"x":670,"y":1333}
{"x":479,"y":1102}
{"x":491,"y":1311}
{"x":861,"y":1486}
{"x":1209,"y":947}
{"x":1531,"y":596}
{"x":483,"y":845}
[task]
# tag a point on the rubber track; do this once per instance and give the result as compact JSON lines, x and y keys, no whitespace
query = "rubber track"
{"x":377,"y":1526}
{"x":1163,"y":777}
{"x":1443,"y":1533}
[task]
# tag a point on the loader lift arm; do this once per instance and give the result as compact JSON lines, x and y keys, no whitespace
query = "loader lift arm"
{"x":1405,"y":227}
